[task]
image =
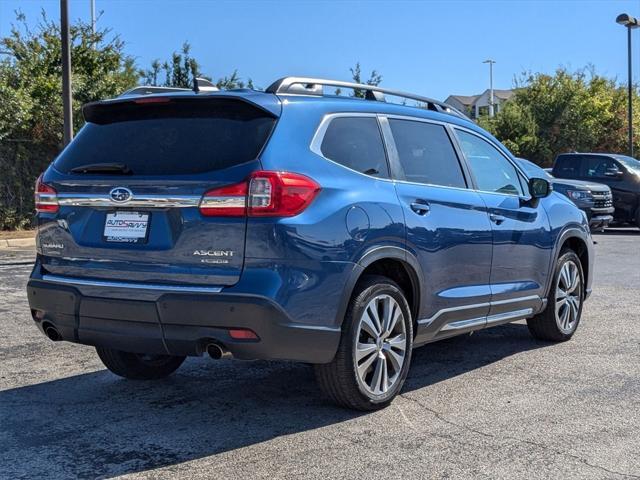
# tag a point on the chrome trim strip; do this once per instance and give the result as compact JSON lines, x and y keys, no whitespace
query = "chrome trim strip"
{"x":508,"y":316}
{"x":472,"y":322}
{"x":223,"y":202}
{"x":144,"y":201}
{"x":427,"y":321}
{"x":488,"y":321}
{"x":129,"y":285}
{"x":514,"y":300}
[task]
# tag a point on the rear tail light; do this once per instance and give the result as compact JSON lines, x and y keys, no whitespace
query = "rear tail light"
{"x":264,"y":194}
{"x":229,"y":201}
{"x":46,"y":197}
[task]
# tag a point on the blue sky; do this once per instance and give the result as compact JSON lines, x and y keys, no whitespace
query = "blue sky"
{"x":434,"y":48}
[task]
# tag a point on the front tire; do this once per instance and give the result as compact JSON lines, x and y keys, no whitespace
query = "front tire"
{"x":136,"y":366}
{"x":561,"y":317}
{"x":374,"y":354}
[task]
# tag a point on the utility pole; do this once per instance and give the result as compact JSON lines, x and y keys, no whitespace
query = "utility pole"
{"x":630,"y":23}
{"x":490,"y":62}
{"x":66,"y":72}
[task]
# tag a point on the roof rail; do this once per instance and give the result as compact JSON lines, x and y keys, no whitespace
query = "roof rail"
{"x":199,"y":85}
{"x":313,"y":86}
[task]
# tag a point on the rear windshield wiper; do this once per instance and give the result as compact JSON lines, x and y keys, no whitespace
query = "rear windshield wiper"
{"x":117,"y":168}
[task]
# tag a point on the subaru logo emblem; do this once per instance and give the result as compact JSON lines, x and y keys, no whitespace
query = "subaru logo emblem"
{"x":120,"y":195}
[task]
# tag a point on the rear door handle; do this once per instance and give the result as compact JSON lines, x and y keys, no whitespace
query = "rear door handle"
{"x":497,"y":219}
{"x":420,"y":208}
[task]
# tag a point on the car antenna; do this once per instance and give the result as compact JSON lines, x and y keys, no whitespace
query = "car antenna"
{"x":203,"y":85}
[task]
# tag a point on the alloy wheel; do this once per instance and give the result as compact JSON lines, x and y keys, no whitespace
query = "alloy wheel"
{"x":568,"y":297}
{"x":380,"y":345}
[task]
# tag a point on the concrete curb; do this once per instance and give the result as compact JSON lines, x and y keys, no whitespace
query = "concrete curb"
{"x":17,"y":242}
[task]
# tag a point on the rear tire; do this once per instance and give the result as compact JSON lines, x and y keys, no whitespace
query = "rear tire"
{"x":136,"y":366}
{"x":561,"y":317}
{"x":374,"y":354}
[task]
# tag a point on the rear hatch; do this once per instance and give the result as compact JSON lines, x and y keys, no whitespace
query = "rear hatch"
{"x":130,"y":185}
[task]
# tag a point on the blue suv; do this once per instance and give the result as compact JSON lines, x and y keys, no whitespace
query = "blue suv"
{"x":292,"y":224}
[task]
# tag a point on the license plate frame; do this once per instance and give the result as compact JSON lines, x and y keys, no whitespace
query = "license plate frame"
{"x":135,"y":230}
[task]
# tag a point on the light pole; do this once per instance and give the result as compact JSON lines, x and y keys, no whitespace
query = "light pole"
{"x":630,"y":22}
{"x":93,"y":16}
{"x":66,"y":72}
{"x":490,"y":62}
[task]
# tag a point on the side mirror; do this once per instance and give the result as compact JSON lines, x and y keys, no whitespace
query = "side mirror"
{"x":613,"y":172}
{"x":539,"y":187}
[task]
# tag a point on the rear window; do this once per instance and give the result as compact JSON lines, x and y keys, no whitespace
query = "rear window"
{"x":179,"y":137}
{"x":567,"y":166}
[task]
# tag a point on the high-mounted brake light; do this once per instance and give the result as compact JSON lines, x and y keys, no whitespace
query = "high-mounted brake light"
{"x":46,"y":197}
{"x":263,"y":194}
{"x":152,"y":100}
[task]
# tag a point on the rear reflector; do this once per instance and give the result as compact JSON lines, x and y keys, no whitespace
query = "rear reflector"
{"x":46,"y":197}
{"x":264,"y":194}
{"x":242,"y":334}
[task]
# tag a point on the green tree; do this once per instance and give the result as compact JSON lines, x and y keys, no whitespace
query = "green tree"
{"x":181,"y":70}
{"x":374,"y":79}
{"x":552,"y":114}
{"x":31,"y":100}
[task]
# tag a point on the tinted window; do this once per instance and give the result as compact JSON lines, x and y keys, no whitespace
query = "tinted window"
{"x":426,"y":153}
{"x":532,"y":169}
{"x":169,"y":139}
{"x":631,"y":163}
{"x":567,"y":166}
{"x":493,"y":172}
{"x":599,"y":167}
{"x":356,"y":143}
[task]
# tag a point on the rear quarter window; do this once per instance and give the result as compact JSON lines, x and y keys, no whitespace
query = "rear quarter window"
{"x":356,"y":143}
{"x":170,"y":139}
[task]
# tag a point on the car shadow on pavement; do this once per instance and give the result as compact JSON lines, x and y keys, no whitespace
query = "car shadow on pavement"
{"x":97,"y":425}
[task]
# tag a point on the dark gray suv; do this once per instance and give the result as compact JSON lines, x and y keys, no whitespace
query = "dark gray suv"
{"x":620,"y":172}
{"x":592,"y":198}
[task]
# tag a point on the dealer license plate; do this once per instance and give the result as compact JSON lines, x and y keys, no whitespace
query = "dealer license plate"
{"x":126,"y":227}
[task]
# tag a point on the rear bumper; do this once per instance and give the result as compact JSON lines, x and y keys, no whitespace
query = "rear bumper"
{"x":179,"y":323}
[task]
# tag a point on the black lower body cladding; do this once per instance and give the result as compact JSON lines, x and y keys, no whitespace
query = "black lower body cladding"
{"x":179,"y":324}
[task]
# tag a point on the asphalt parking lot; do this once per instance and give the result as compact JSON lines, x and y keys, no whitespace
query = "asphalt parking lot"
{"x":497,"y":404}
